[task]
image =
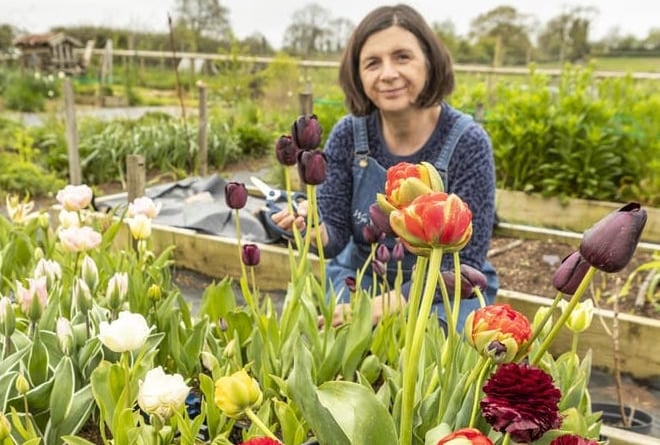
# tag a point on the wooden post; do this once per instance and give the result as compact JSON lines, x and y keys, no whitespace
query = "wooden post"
{"x":202,"y":158}
{"x":135,"y":176}
{"x":71,"y":133}
{"x":479,"y":113}
{"x":306,"y":103}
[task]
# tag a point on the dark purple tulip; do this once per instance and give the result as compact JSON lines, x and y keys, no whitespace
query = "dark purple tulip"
{"x":383,"y":253}
{"x":570,"y":273}
{"x":398,"y":252}
{"x":350,"y":283}
{"x":379,"y":267}
{"x":372,"y":234}
{"x":312,"y":166}
{"x":251,"y":255}
{"x":471,"y":278}
{"x":306,"y":132}
{"x":610,"y":243}
{"x":236,"y":195}
{"x":286,"y":150}
{"x":380,"y":219}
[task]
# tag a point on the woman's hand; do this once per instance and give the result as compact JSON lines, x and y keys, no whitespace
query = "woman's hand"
{"x":285,"y":220}
{"x":380,"y":305}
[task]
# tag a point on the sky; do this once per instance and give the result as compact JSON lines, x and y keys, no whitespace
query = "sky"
{"x":271,"y":17}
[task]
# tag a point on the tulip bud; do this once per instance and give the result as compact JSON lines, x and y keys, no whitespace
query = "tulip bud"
{"x":209,"y":361}
{"x":22,"y":384}
{"x":580,"y":318}
{"x":251,"y":255}
{"x":372,"y":234}
{"x":117,"y":290}
{"x":370,"y":368}
{"x":538,"y":317}
{"x":570,"y":273}
{"x":286,"y":150}
{"x":312,"y":167}
{"x":236,"y":393}
{"x":306,"y":132}
{"x":5,"y":428}
{"x":350,"y":283}
{"x":398,"y":252}
{"x":379,"y":267}
{"x":236,"y":195}
{"x":64,"y":334}
{"x":90,"y":273}
{"x":380,"y":219}
{"x":383,"y":253}
{"x":82,"y":296}
{"x":610,"y":243}
{"x":471,"y":278}
{"x":7,"y":317}
{"x":140,"y":226}
{"x":154,"y":293}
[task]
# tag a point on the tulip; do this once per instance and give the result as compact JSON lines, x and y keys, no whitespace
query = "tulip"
{"x":580,"y":317}
{"x":434,"y":219}
{"x":117,"y":289}
{"x":79,"y":239}
{"x":22,"y":385}
{"x":261,"y":441}
{"x":64,"y":334}
{"x":471,"y":278}
{"x":144,"y":206}
{"x":236,"y":393}
{"x":18,"y":212}
{"x":398,"y":251}
{"x":407,"y":181}
{"x":5,"y":428}
{"x":90,"y":272}
{"x":312,"y":167}
{"x":372,"y":234}
{"x":140,"y":226}
{"x":286,"y":151}
{"x":68,"y":219}
{"x":75,"y":197}
{"x":251,"y":255}
{"x":379,"y":267}
{"x":610,"y":243}
{"x":306,"y":132}
{"x":570,"y":273}
{"x":161,"y":394}
{"x":50,"y":269}
{"x":465,"y":436}
{"x":572,"y":439}
{"x":154,"y":293}
{"x":128,"y":332}
{"x":350,"y":283}
{"x":82,"y":296}
{"x":236,"y":195}
{"x":497,"y":331}
{"x":32,"y":299}
{"x":380,"y":219}
{"x":7,"y":317}
{"x":383,"y":253}
{"x":540,"y":314}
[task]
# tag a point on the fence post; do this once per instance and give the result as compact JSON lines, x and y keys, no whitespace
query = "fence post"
{"x":135,"y":176}
{"x":202,"y":139}
{"x":306,"y":102}
{"x":71,"y":133}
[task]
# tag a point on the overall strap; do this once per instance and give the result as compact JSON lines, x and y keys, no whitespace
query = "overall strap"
{"x":360,"y":137}
{"x":447,"y":150}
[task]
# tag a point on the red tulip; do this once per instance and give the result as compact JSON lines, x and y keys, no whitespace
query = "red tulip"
{"x":407,"y":181}
{"x":306,"y":132}
{"x":497,"y":331}
{"x":465,"y":436}
{"x":261,"y":441}
{"x":236,"y":195}
{"x":286,"y":150}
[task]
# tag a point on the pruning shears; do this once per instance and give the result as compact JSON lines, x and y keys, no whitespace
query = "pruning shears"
{"x":276,"y":200}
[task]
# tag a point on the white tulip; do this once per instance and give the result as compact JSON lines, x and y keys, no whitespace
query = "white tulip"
{"x":128,"y":332}
{"x":162,"y":394}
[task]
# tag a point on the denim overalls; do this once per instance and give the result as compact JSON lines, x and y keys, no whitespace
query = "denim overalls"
{"x":369,"y":179}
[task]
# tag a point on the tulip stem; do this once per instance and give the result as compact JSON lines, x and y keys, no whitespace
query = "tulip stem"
{"x":257,"y":421}
{"x":412,"y":363}
{"x":457,"y":289}
{"x":539,"y":328}
{"x":586,"y":280}
{"x":477,"y":391}
{"x":238,"y":244}
{"x":507,"y":439}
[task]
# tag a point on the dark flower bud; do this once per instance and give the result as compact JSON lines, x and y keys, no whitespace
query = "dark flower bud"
{"x":496,"y":350}
{"x":306,"y":132}
{"x":286,"y":150}
{"x":236,"y":195}
{"x":610,"y":243}
{"x":372,"y":234}
{"x":380,"y":219}
{"x":572,"y":439}
{"x":251,"y":255}
{"x":471,"y":278}
{"x":379,"y":267}
{"x":383,"y":253}
{"x":398,"y":251}
{"x":312,"y":166}
{"x":570,"y":273}
{"x":350,"y":283}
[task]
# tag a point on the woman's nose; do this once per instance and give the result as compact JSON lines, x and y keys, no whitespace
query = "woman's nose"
{"x":389,"y":71}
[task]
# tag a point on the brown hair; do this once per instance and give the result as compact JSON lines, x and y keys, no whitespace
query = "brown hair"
{"x":440,"y":81}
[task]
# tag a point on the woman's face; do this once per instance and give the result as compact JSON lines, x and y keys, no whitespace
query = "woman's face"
{"x":393,"y":69}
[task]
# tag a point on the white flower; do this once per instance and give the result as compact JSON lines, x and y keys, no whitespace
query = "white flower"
{"x":162,"y":394}
{"x":140,"y":226}
{"x":144,"y":206}
{"x":580,"y":318}
{"x":79,"y":239}
{"x":64,"y":333}
{"x":128,"y":332}
{"x":75,"y":197}
{"x":68,"y":219}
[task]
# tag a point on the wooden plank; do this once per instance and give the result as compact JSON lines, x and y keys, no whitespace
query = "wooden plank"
{"x":638,"y":336}
{"x":575,"y":215}
{"x":618,"y":436}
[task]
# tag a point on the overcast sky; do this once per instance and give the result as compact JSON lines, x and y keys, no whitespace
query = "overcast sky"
{"x":271,"y":17}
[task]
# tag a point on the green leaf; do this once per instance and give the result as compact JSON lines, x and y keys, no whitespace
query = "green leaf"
{"x":38,"y":362}
{"x":6,"y":385}
{"x":218,"y":300}
{"x":359,"y":336}
{"x":79,"y":411}
{"x":75,"y":440}
{"x":61,"y":398}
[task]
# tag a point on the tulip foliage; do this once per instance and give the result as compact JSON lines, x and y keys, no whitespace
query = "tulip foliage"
{"x":96,"y":334}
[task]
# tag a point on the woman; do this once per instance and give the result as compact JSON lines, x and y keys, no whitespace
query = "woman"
{"x":395,"y":74}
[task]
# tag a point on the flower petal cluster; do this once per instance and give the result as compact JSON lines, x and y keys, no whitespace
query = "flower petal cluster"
{"x":140,"y":226}
{"x":75,"y":197}
{"x":434,"y":219}
{"x":162,"y":394}
{"x":144,"y":206}
{"x":405,"y":182}
{"x":572,"y":439}
{"x":521,"y":400}
{"x":128,"y":332}
{"x":79,"y":239}
{"x":465,"y":436}
{"x":497,"y":331}
{"x":236,"y":393}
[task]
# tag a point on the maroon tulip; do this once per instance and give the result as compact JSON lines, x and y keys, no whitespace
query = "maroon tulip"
{"x":380,"y":219}
{"x":236,"y":195}
{"x":379,"y":267}
{"x":251,"y":255}
{"x":286,"y":150}
{"x":471,"y":278}
{"x":570,"y":273}
{"x":521,"y":400}
{"x":312,"y":166}
{"x":306,"y":132}
{"x":372,"y":234}
{"x":398,"y":252}
{"x":383,"y":253}
{"x":572,"y":439}
{"x":350,"y":283}
{"x":610,"y":243}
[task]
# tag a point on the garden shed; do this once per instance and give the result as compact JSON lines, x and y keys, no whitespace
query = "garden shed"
{"x":50,"y":52}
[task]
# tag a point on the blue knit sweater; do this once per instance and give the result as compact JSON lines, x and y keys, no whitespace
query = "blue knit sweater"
{"x":471,"y":176}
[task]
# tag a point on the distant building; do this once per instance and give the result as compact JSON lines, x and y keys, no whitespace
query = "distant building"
{"x":51,"y":52}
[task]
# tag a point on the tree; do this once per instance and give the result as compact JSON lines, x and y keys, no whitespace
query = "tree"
{"x":308,"y":32}
{"x":566,"y":36}
{"x":203,"y":18}
{"x":7,"y":34}
{"x":506,"y":31}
